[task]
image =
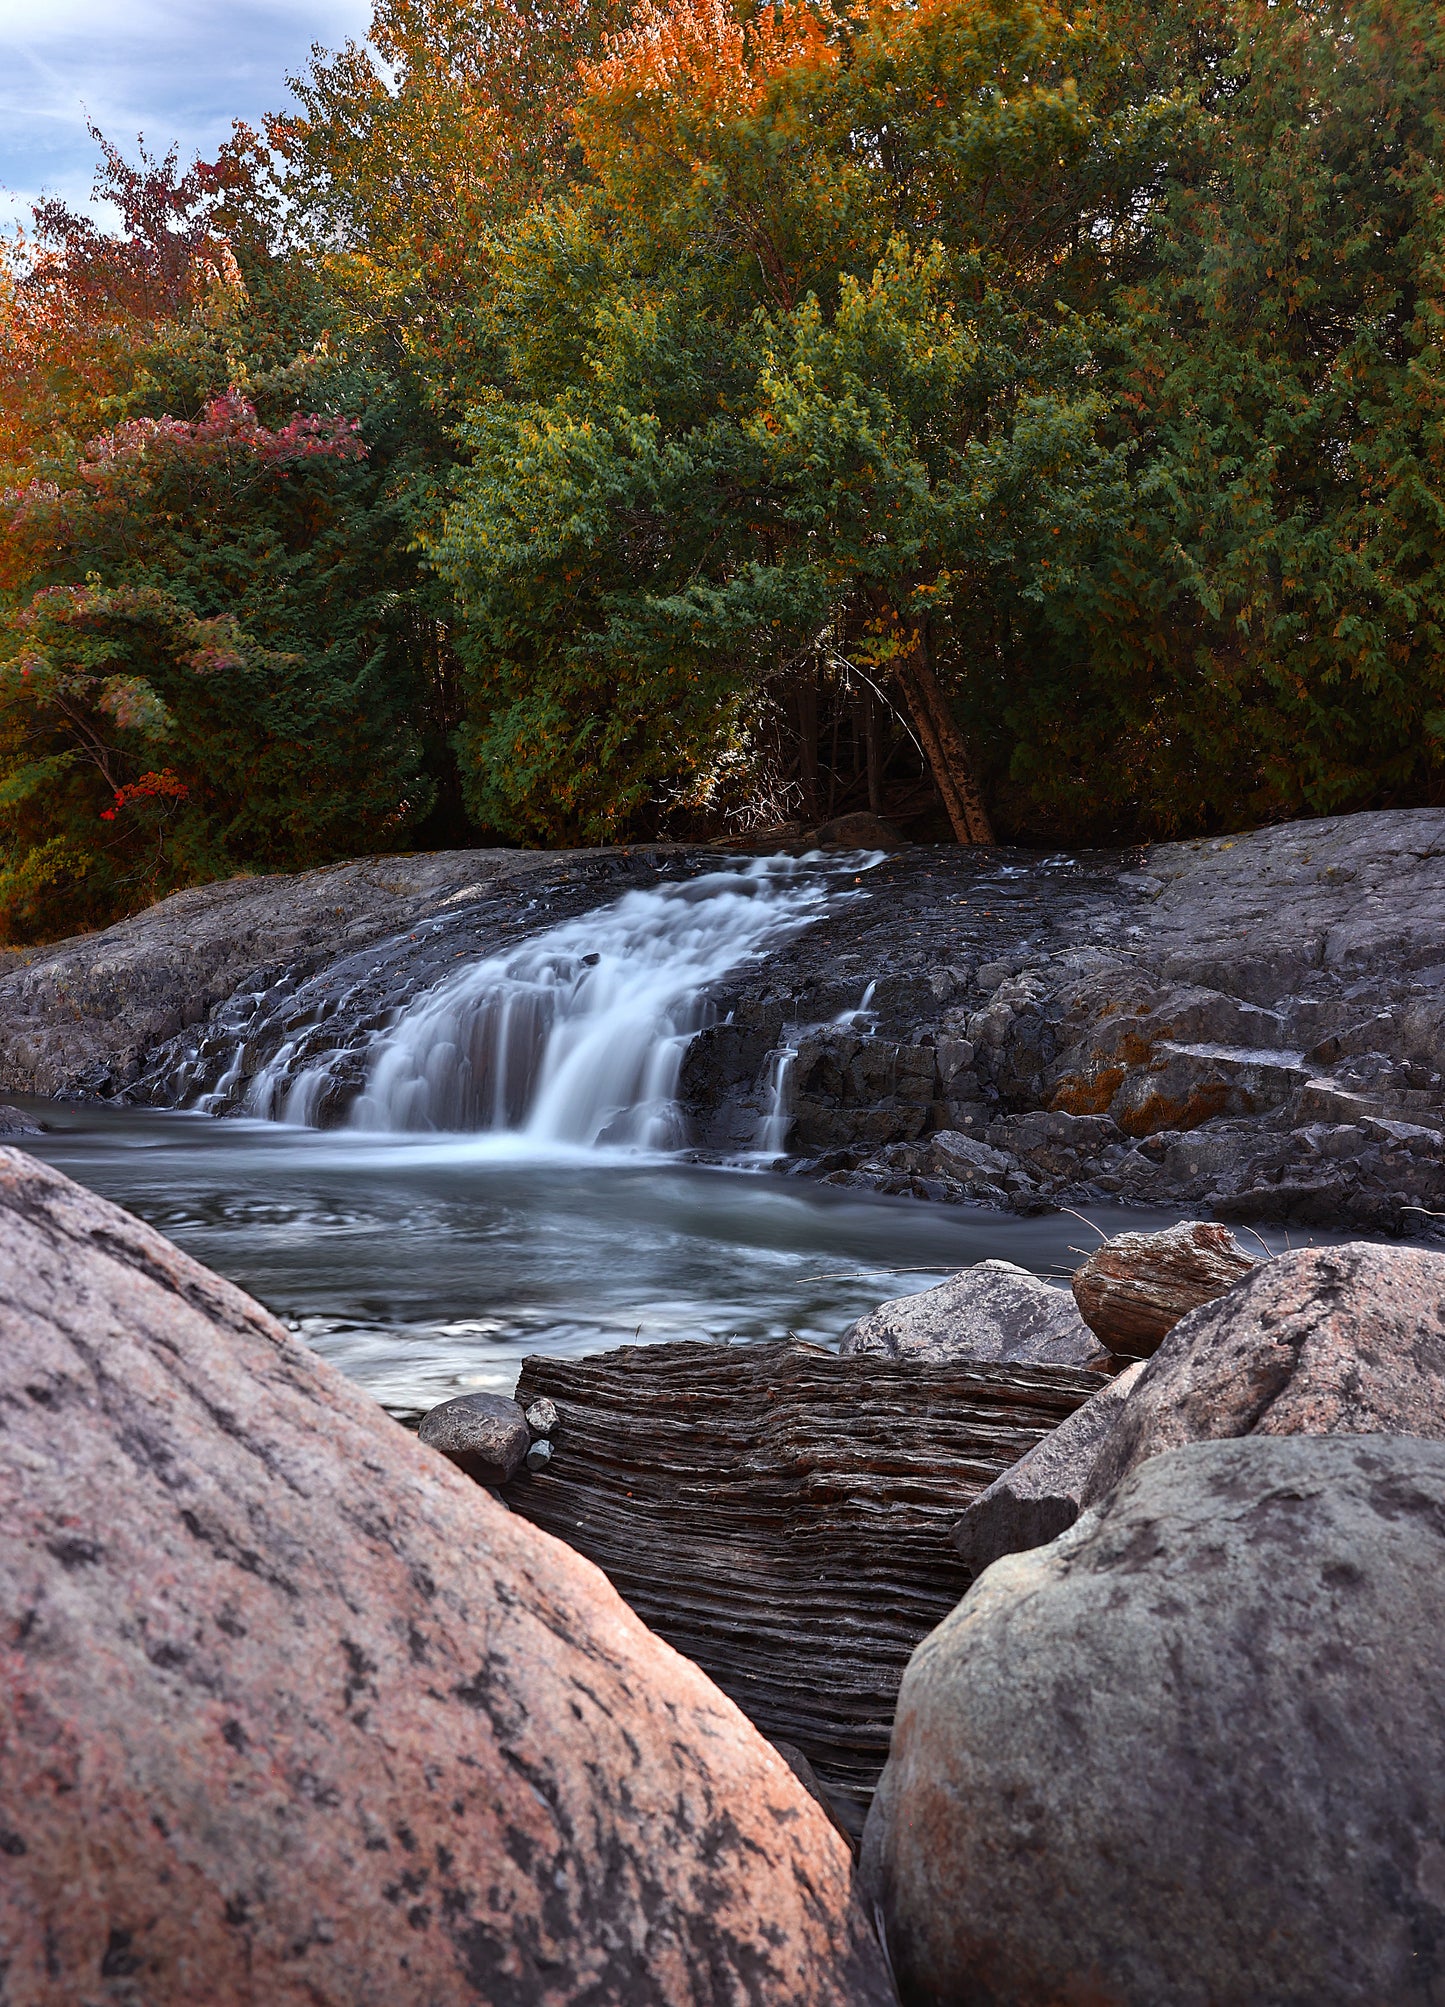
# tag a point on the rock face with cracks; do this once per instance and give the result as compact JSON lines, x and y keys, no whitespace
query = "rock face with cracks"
{"x":1327,"y":1341}
{"x":995,"y":1311}
{"x":291,"y":1712}
{"x":1192,"y":1752}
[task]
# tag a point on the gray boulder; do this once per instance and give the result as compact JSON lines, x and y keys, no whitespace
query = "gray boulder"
{"x":485,"y":1435}
{"x":994,"y":1311}
{"x":1191,"y":1753}
{"x":1327,"y":1341}
{"x":1041,"y":1495}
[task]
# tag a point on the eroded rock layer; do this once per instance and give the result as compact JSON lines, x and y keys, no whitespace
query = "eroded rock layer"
{"x":783,"y":1516}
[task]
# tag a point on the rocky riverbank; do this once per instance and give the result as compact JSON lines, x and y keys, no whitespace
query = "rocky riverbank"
{"x":1251,"y":1027}
{"x":296,"y":1710}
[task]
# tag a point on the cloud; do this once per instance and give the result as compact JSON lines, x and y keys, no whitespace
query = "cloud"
{"x":173,"y":69}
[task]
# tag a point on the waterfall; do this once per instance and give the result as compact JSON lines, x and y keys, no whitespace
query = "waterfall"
{"x":577,"y":1036}
{"x":772,"y":1134}
{"x":770,"y":1139}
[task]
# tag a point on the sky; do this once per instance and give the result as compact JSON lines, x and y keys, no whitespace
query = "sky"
{"x":171,"y":69}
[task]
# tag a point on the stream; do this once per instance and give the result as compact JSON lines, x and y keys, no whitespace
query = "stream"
{"x":510,"y":1176}
{"x":429,"y":1268}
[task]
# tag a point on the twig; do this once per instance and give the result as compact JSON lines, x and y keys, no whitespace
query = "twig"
{"x":1268,"y":1250}
{"x":1087,"y":1222}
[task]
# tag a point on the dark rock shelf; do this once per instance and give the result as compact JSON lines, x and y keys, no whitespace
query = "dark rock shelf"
{"x":1251,"y":1027}
{"x":782,"y":1516}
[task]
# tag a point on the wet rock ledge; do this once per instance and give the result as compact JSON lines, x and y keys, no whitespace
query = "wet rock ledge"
{"x":1252,"y":1027}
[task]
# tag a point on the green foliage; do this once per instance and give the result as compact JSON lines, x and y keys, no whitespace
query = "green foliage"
{"x":631,"y":581}
{"x":713,"y":455}
{"x":230,"y":592}
{"x":568,"y":386}
{"x":1261,"y":633}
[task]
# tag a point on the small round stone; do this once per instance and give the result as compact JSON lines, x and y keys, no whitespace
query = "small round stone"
{"x":486,"y":1435}
{"x":542,"y":1417}
{"x":539,"y":1455}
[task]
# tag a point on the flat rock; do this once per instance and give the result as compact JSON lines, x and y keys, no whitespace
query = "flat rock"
{"x":1041,"y":1495}
{"x":485,"y":1435}
{"x":1192,"y":1752}
{"x":1326,"y":1341}
{"x":1134,"y":1289}
{"x":994,"y":1311}
{"x":292,"y":1712}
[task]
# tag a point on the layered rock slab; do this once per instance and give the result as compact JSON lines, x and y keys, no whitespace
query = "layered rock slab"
{"x":1325,"y":1341}
{"x":290,"y":1711}
{"x":1193,"y":1751}
{"x":782,"y":1515}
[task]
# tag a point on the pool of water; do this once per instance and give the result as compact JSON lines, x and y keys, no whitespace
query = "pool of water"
{"x":427,"y":1267}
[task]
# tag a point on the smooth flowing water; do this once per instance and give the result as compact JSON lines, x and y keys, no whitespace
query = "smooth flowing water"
{"x":428,"y":1268}
{"x":576,"y":1036}
{"x":425,"y":1261}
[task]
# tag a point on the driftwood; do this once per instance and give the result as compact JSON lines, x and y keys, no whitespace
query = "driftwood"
{"x":782,"y":1515}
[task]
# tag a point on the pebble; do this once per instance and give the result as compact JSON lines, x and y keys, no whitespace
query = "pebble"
{"x":483,"y":1434}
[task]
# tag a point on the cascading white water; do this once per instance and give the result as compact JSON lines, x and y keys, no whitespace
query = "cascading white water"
{"x":772,"y":1133}
{"x":771,"y":1136}
{"x":577,"y":1036}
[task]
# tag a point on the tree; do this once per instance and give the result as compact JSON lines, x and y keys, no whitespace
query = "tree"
{"x":715,"y":449}
{"x":1260,"y":635}
{"x":277,"y":508}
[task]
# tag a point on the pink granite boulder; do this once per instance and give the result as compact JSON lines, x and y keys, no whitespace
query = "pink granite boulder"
{"x":292,"y":1712}
{"x":1323,"y":1342}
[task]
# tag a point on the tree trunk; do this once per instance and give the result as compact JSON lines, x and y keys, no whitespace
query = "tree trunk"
{"x":942,"y":744}
{"x":806,"y":695}
{"x":865,"y":743}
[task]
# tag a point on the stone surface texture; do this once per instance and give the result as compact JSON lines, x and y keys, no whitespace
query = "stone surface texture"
{"x":1134,"y":1289}
{"x":485,"y":1435}
{"x":782,"y":1515}
{"x":291,"y":1712}
{"x":1037,"y":1498}
{"x":994,"y":1311}
{"x":1191,"y":1753}
{"x":1252,"y":1027}
{"x":1326,"y":1341}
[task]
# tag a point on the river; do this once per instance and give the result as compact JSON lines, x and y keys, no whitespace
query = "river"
{"x":511,"y":1174}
